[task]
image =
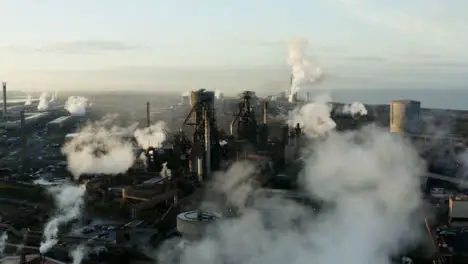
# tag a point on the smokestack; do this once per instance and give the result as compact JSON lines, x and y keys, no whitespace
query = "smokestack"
{"x":291,"y":80}
{"x":23,"y":139}
{"x":308,"y":97}
{"x":265,"y":112}
{"x":207,"y":144}
{"x":148,"y":118}
{"x":4,"y":99}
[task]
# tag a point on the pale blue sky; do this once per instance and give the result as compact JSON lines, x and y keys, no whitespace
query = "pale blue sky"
{"x":92,"y":44}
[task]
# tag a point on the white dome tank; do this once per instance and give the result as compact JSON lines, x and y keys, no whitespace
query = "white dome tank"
{"x":192,"y":224}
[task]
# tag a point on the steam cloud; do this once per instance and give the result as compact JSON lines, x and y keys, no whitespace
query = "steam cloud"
{"x":78,"y":254}
{"x":99,"y":150}
{"x":152,"y":136}
{"x":301,"y":69}
{"x":76,"y":105}
{"x":43,"y":102}
{"x":3,"y":241}
{"x":218,"y":94}
{"x":314,"y":118}
{"x":368,"y":182}
{"x":166,"y":173}
{"x":69,"y":201}
{"x":28,"y":100}
{"x":355,"y":108}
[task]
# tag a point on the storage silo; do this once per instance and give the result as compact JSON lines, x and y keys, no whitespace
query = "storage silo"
{"x":405,"y":116}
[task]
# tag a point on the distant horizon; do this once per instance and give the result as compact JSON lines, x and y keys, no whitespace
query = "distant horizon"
{"x":429,"y":98}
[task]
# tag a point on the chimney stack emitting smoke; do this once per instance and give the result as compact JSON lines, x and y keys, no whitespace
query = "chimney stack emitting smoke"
{"x":302,"y":72}
{"x":4,"y":85}
{"x":148,"y":117}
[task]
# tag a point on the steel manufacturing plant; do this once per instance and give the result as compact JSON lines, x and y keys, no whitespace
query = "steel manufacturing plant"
{"x":219,"y":179}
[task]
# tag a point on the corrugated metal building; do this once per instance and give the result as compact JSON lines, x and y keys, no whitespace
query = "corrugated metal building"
{"x":60,"y":122}
{"x":30,"y":119}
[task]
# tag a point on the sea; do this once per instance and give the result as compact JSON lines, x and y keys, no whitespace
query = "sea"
{"x":456,"y":99}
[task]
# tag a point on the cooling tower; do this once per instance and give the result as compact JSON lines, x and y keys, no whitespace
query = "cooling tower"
{"x":404,"y":116}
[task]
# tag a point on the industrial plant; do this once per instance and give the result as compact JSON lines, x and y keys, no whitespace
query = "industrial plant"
{"x":159,"y":187}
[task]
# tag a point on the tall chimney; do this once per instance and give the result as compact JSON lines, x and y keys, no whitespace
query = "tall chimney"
{"x":308,"y":97}
{"x":148,"y":118}
{"x":23,"y":140}
{"x":4,"y":99}
{"x":265,"y":112}
{"x":207,"y":144}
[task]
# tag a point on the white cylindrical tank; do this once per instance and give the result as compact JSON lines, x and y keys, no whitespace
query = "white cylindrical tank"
{"x":404,"y":116}
{"x":192,"y":224}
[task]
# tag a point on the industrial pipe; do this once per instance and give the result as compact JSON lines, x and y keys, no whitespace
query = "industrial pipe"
{"x":233,"y":123}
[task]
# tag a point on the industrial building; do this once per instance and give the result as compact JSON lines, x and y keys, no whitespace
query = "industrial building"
{"x":159,"y":204}
{"x":30,"y":119}
{"x":61,"y":122}
{"x":404,"y":116}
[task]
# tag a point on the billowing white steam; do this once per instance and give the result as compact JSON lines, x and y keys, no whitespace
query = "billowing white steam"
{"x":43,"y":102}
{"x":3,"y":241}
{"x":166,"y":173}
{"x":314,"y":118}
{"x":368,"y":182}
{"x":302,"y":72}
{"x":355,"y":108}
{"x":28,"y":100}
{"x":53,"y":98}
{"x":152,"y":136}
{"x":98,"y":149}
{"x":76,"y":105}
{"x":69,"y":202}
{"x":218,"y":94}
{"x":78,"y":254}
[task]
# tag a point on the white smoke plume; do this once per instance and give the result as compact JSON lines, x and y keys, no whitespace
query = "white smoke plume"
{"x":78,"y":254}
{"x":314,"y":117}
{"x":43,"y":102}
{"x":69,"y":202}
{"x":302,"y":72}
{"x":354,"y":109}
{"x":237,"y":183}
{"x":368,"y":182}
{"x":166,"y":173}
{"x":218,"y":94}
{"x":28,"y":100}
{"x":76,"y":105}
{"x":3,"y":241}
{"x":152,"y":136}
{"x":99,"y":150}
